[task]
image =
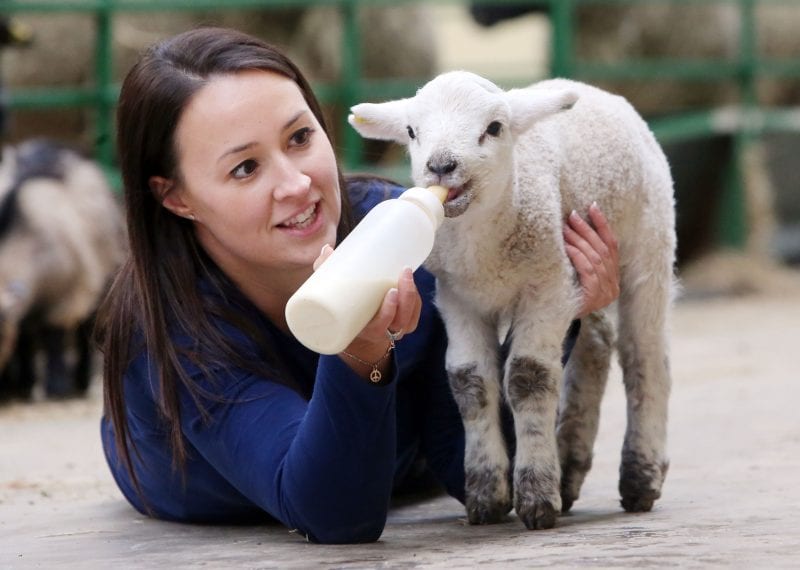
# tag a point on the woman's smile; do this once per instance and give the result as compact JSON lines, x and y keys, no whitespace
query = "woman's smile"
{"x":304,"y":224}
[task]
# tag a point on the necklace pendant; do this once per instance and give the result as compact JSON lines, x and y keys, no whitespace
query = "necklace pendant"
{"x":375,"y":376}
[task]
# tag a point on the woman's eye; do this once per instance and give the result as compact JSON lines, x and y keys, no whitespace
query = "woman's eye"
{"x":411,"y":134}
{"x":494,"y":128}
{"x":302,"y":136}
{"x":245,"y":169}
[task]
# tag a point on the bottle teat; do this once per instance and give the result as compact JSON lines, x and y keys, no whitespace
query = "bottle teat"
{"x":440,"y":192}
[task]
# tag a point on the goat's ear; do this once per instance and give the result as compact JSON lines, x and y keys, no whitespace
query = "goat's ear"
{"x":531,"y":105}
{"x":382,"y":121}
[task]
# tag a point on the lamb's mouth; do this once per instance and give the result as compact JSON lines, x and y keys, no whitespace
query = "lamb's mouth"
{"x":455,"y":192}
{"x":458,"y":198}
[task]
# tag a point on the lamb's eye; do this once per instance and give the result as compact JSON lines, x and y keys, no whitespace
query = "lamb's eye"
{"x":494,"y":128}
{"x":411,"y":134}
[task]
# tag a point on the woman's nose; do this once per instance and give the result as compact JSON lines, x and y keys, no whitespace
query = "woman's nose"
{"x":290,"y":180}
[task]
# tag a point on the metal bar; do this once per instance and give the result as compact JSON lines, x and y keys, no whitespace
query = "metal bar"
{"x":693,"y":70}
{"x":748,"y":56}
{"x":51,"y":97}
{"x":731,"y":224}
{"x":785,"y":68}
{"x":161,"y":5}
{"x":726,"y":121}
{"x":9,"y":6}
{"x":350,"y":90}
{"x":562,"y":17}
{"x":103,"y":64}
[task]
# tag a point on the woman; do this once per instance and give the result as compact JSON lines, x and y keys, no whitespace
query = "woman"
{"x":213,"y":411}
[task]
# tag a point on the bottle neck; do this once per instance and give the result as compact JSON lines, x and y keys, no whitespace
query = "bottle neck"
{"x":427,"y":201}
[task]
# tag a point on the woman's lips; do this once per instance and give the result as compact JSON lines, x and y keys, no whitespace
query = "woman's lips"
{"x":302,"y":219}
{"x":305,"y":223}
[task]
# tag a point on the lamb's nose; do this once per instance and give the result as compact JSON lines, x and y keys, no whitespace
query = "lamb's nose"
{"x":441,"y":167}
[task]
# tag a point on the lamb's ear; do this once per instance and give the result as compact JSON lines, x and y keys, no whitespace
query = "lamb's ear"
{"x":382,"y":121}
{"x":531,"y":105}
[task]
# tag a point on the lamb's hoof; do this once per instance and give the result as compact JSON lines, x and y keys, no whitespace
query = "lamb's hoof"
{"x":638,"y":504}
{"x":573,"y":473}
{"x":488,"y":495}
{"x":487,"y":513}
{"x":538,"y":516}
{"x":61,"y":395}
{"x":640,"y":484}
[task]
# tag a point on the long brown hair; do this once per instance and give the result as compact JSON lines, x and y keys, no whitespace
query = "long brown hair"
{"x":156,"y":289}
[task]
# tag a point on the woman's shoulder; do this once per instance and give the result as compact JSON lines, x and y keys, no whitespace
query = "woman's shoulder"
{"x":366,"y":191}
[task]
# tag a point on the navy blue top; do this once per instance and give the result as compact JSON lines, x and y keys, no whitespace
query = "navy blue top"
{"x":324,"y":465}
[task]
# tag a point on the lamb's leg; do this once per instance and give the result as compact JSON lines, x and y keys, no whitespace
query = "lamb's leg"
{"x":25,"y":369}
{"x":532,"y":380}
{"x":58,"y":383}
{"x":585,"y":377}
{"x":473,"y":370}
{"x":642,"y":345}
{"x":83,"y":365}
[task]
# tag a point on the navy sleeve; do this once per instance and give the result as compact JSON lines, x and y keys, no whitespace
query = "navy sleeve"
{"x":323,"y":467}
{"x":443,"y":435}
{"x":441,"y":430}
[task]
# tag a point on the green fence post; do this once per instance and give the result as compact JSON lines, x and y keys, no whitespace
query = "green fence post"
{"x":103,"y":66}
{"x":563,"y":30}
{"x":349,"y":89}
{"x":732,"y":220}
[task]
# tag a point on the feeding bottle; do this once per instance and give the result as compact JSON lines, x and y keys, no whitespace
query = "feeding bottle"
{"x":329,"y":310}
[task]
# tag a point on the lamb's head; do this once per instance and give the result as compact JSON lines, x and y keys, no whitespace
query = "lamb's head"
{"x":460,"y":130}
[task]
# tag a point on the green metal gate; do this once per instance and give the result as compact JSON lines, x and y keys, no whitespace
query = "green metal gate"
{"x":747,"y":121}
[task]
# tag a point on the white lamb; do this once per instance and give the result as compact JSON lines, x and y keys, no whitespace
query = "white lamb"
{"x":517,"y":163}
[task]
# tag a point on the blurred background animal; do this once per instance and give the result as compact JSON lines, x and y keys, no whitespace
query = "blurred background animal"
{"x":61,"y":239}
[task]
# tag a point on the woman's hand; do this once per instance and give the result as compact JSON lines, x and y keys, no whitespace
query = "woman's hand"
{"x":399,"y":313}
{"x":593,"y":252}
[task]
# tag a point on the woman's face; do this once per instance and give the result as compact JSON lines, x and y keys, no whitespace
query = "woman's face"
{"x":258,"y":176}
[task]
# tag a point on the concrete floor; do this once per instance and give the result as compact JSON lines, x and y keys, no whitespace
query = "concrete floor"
{"x":731,"y":498}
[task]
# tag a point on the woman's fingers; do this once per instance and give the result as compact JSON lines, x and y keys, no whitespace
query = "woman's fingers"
{"x":326,"y":252}
{"x":409,"y":305}
{"x":399,"y":311}
{"x":593,"y":252}
{"x":587,"y":274}
{"x":401,"y":306}
{"x":604,"y":231}
{"x":584,"y":267}
{"x":580,"y":234}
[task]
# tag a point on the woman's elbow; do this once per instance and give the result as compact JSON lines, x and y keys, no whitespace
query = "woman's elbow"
{"x":347,"y":533}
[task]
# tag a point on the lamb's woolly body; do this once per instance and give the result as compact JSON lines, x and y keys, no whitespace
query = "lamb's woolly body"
{"x":500,"y":259}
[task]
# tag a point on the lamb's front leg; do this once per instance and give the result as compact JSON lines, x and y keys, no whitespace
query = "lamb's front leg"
{"x":474,"y":373}
{"x":532,"y":379}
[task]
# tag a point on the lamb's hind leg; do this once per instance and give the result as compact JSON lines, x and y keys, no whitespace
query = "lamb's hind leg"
{"x":585,"y":377}
{"x":642,"y":344}
{"x":532,"y":380}
{"x":474,"y":373}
